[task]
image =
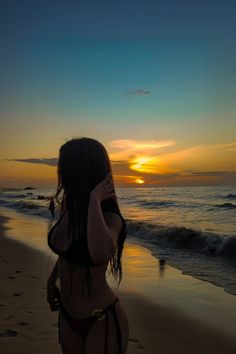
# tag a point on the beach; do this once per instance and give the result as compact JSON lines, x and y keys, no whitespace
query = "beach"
{"x":169,"y":315}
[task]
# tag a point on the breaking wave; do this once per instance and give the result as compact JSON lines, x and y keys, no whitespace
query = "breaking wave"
{"x":183,"y":238}
{"x":230,"y":196}
{"x":226,"y":206}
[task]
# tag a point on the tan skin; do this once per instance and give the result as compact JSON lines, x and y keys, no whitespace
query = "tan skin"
{"x":102,"y":234}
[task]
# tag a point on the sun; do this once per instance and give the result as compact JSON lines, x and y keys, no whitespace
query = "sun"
{"x":139,"y":181}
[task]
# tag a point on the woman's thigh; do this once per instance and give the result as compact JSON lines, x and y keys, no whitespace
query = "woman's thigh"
{"x":71,"y":342}
{"x":95,"y":343}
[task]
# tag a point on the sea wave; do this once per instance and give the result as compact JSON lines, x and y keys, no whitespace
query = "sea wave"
{"x":183,"y":238}
{"x":14,"y":196}
{"x":166,"y":203}
{"x":157,"y":234}
{"x":29,"y":206}
{"x":226,"y":206}
{"x":155,"y":203}
{"x":10,"y":189}
{"x":25,"y":205}
{"x":230,"y":196}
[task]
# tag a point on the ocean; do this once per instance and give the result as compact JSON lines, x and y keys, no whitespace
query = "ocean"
{"x":191,"y":228}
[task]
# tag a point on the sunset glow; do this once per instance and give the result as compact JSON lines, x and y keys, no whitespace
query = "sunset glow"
{"x":141,"y":164}
{"x":204,"y":164}
{"x":159,"y":96}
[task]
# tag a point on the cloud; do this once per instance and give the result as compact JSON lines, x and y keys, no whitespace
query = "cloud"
{"x":49,"y":162}
{"x":120,"y":167}
{"x":226,"y":145}
{"x":155,"y":161}
{"x":162,"y":158}
{"x":141,"y":144}
{"x":208,"y":173}
{"x":158,"y":176}
{"x":130,"y":149}
{"x":138,"y":92}
{"x":142,"y":156}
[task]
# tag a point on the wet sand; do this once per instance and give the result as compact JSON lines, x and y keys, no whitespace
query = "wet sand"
{"x":156,"y":326}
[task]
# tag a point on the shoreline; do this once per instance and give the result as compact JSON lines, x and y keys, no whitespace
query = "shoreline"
{"x":202,"y":267}
{"x":154,"y":328}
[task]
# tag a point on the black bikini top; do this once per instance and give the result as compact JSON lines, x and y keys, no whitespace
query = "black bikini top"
{"x":75,"y":253}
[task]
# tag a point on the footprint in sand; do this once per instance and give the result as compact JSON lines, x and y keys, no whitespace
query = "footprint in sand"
{"x":8,"y":333}
{"x":8,"y":318}
{"x":133,"y":340}
{"x":18,"y":294}
{"x":22,"y":323}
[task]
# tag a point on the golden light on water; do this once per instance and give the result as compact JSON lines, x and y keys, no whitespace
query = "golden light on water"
{"x":139,"y":181}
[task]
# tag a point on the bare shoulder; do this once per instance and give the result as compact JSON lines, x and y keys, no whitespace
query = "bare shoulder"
{"x":113,"y":221}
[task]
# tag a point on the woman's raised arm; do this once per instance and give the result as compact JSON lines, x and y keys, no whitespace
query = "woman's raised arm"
{"x":102,"y":231}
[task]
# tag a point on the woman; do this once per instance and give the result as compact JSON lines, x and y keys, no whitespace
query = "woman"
{"x":88,"y":236}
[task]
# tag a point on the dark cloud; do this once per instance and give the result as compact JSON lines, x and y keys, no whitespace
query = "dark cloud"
{"x":117,"y":166}
{"x":207,"y":173}
{"x":49,"y":162}
{"x":120,"y":167}
{"x":53,"y":162}
{"x":138,"y":92}
{"x":158,"y":177}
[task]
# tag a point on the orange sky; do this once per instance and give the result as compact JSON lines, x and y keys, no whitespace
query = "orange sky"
{"x":135,"y":162}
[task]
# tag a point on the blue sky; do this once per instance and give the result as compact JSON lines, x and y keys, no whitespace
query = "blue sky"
{"x":79,"y":53}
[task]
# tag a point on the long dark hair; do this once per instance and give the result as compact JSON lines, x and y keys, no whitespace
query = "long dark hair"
{"x":83,"y":163}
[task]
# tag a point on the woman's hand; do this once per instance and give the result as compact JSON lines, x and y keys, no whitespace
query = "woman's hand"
{"x":104,"y":190}
{"x":53,"y":295}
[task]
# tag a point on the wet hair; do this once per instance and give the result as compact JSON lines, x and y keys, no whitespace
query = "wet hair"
{"x":83,"y":163}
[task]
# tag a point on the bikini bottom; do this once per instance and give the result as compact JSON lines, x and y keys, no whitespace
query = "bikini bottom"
{"x":83,"y":326}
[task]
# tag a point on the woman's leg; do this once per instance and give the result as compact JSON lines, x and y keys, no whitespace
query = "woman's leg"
{"x":95,"y":343}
